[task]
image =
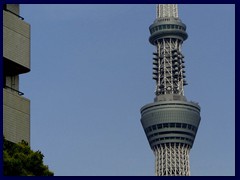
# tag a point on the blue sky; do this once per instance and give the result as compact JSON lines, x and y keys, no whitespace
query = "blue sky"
{"x":91,"y":72}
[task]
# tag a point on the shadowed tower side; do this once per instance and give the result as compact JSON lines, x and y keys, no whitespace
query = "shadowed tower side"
{"x":170,"y":122}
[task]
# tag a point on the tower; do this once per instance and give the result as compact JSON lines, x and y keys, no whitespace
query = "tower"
{"x":170,"y":122}
{"x":16,"y":61}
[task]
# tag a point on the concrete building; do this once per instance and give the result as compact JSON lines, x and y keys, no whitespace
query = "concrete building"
{"x":170,"y":122}
{"x":16,"y":61}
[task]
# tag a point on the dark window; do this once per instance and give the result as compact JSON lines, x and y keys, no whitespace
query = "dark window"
{"x":149,"y":129}
{"x":178,"y":125}
{"x":184,"y":125}
{"x":165,"y":125}
{"x":154,"y":127}
{"x":172,"y":124}
{"x":159,"y":126}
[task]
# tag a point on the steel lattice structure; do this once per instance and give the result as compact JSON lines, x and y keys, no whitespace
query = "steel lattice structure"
{"x":169,"y":67}
{"x":170,"y":122}
{"x":171,"y":160}
{"x":166,"y":10}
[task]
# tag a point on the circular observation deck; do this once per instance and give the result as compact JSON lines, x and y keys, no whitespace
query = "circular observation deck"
{"x":169,"y":27}
{"x":167,"y":122}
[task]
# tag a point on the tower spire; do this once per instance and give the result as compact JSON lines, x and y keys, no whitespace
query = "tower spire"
{"x":167,"y":10}
{"x":170,"y":122}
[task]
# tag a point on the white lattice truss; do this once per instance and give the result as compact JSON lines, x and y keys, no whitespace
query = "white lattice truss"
{"x":172,"y":160}
{"x":167,"y":10}
{"x":170,"y":74}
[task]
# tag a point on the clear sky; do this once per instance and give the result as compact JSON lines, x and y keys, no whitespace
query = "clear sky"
{"x":91,"y":72}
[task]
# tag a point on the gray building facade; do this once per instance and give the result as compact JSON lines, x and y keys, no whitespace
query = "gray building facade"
{"x":16,"y":61}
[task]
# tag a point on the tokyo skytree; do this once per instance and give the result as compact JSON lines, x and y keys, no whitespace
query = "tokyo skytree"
{"x":170,"y":122}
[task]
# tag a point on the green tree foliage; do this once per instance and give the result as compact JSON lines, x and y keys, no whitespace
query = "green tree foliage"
{"x":20,"y":160}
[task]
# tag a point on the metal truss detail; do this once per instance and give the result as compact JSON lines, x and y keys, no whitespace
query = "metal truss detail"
{"x":167,"y":10}
{"x":168,"y":67}
{"x":172,"y":160}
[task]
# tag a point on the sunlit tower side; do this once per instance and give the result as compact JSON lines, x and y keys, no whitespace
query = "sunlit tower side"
{"x":170,"y":122}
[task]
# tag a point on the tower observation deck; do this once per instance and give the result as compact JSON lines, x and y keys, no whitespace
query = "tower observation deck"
{"x":170,"y":122}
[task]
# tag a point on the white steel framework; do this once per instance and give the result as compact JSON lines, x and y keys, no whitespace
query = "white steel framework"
{"x":168,"y":67}
{"x":172,"y":160}
{"x":167,"y":10}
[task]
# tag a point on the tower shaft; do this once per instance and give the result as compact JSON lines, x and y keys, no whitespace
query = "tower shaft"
{"x":168,"y":67}
{"x":172,"y":160}
{"x":170,"y":122}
